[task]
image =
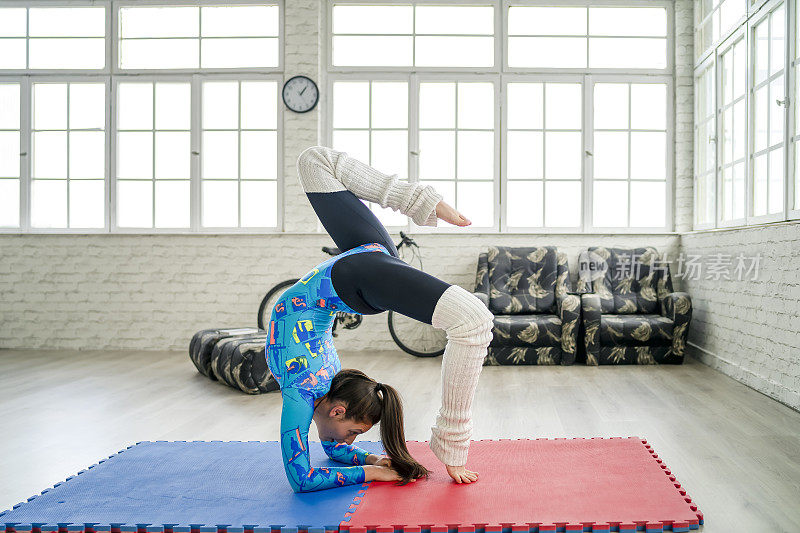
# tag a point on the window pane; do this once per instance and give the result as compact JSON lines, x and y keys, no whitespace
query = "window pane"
{"x":475,"y":155}
{"x":649,"y":106}
{"x":159,"y":21}
{"x":777,"y":40}
{"x":259,"y":201}
{"x":563,"y":155}
{"x":610,"y":203}
{"x":776,"y":181}
{"x":13,"y":21}
{"x":524,"y":158}
{"x":87,"y":204}
{"x":738,"y":190}
{"x":135,"y":111}
{"x":648,"y":155}
{"x":221,"y":105}
{"x":627,"y":53}
{"x":159,"y":53}
{"x":66,"y":22}
{"x":389,"y":51}
{"x":547,"y":52}
{"x":172,"y":204}
{"x":67,"y":53}
{"x":437,"y":105}
{"x":134,"y":155}
{"x":761,"y":51}
{"x":354,"y":143}
{"x":437,"y":155}
{"x":9,"y":154}
{"x":389,"y":104}
{"x":777,"y":112}
{"x":390,"y":152}
{"x":50,"y":154}
{"x":454,"y":51}
{"x":610,"y":155}
{"x":220,"y":155}
{"x":476,"y":202}
{"x":524,"y":205}
{"x":760,"y":185}
{"x":173,"y":106}
{"x":259,"y":155}
{"x":739,"y":137}
{"x":49,"y":106}
{"x":476,"y":105}
{"x":233,"y":21}
{"x":611,"y":106}
{"x":87,"y":154}
{"x":535,"y":20}
{"x":454,"y":19}
{"x":220,"y":204}
{"x":351,"y":104}
{"x":9,"y":106}
{"x":739,"y":69}
{"x":9,"y":203}
{"x":563,"y":106}
{"x":525,"y":105}
{"x":12,"y":53}
{"x":259,"y":104}
{"x":648,"y":203}
{"x":648,"y":22}
{"x":726,"y":137}
{"x":372,"y":19}
{"x":726,"y":193}
{"x":562,"y":207}
{"x":135,"y":204}
{"x":49,"y":203}
{"x":760,"y":111}
{"x":87,"y":105}
{"x":239,"y":52}
{"x":172,"y":155}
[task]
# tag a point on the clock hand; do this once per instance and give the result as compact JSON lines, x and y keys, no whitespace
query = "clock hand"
{"x":304,"y":90}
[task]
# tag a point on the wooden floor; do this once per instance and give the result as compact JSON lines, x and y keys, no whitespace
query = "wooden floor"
{"x":736,"y":451}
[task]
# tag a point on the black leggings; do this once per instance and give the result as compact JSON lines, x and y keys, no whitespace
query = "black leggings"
{"x":372,"y":282}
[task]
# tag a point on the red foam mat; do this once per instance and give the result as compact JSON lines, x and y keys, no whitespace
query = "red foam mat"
{"x":597,"y":484}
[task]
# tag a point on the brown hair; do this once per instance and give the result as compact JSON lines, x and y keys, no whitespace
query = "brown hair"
{"x":370,"y":403}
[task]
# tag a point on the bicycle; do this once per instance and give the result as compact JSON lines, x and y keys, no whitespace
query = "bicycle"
{"x":413,"y":337}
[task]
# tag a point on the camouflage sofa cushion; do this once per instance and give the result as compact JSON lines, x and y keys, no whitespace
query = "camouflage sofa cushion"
{"x":634,"y":330}
{"x":522,"y":280}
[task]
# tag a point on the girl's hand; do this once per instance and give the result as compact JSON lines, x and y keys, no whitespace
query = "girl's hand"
{"x":461,"y":475}
{"x":448,"y":213}
{"x":383,"y":461}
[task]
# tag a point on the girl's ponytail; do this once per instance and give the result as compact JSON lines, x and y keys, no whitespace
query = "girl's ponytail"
{"x":373,"y":402}
{"x":393,"y":436}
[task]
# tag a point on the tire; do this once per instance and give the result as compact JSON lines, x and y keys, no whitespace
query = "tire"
{"x":433,"y":341}
{"x":276,"y":291}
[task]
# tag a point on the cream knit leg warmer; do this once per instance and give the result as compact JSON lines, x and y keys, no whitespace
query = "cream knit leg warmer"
{"x":322,"y":169}
{"x":468,"y":324}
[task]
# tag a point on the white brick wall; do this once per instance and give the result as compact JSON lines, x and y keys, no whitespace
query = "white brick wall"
{"x":750,"y":330}
{"x":152,"y":292}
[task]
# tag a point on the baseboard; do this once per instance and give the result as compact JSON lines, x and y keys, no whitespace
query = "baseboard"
{"x":755,"y":381}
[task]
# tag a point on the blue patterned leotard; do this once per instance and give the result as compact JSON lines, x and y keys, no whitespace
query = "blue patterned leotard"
{"x":301,"y":356}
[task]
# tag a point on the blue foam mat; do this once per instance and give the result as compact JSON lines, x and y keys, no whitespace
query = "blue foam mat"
{"x":194,"y":483}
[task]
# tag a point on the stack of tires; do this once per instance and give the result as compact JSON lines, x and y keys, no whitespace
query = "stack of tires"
{"x":235,"y":357}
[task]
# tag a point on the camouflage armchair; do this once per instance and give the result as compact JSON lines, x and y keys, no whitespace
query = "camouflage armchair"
{"x":536,"y":320}
{"x":631,"y":315}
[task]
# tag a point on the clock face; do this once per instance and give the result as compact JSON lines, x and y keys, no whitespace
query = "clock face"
{"x":300,"y":94}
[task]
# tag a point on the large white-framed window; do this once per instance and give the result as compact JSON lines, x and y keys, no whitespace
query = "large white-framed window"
{"x":543,"y":152}
{"x":767,"y":142}
{"x":418,"y":35}
{"x":733,"y":130}
{"x":793,"y":185}
{"x":432,"y":128}
{"x":588,"y":36}
{"x":632,"y":39}
{"x":61,"y":174}
{"x":713,"y":20}
{"x":705,"y":145}
{"x":630,"y":153}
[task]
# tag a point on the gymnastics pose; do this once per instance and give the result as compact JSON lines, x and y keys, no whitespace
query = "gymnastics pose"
{"x":368,"y":277}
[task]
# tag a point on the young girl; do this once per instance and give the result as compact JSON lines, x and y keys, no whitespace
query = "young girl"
{"x":368,"y":277}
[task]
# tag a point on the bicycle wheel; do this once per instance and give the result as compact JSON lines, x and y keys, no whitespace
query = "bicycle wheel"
{"x":415,"y":337}
{"x":265,"y":309}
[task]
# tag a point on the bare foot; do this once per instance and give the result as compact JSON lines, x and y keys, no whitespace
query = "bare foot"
{"x":449,"y":214}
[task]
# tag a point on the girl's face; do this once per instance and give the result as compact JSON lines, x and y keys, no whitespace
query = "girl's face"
{"x":332,"y":424}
